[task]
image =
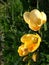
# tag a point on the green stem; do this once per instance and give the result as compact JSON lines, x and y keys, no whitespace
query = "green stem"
{"x":37,"y":4}
{"x":12,"y":11}
{"x":28,"y":62}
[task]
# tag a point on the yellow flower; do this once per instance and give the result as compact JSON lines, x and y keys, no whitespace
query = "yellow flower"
{"x":22,"y":50}
{"x":31,"y":41}
{"x":35,"y":19}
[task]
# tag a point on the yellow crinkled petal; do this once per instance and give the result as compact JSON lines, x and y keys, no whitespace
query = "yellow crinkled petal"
{"x":27,"y":38}
{"x":31,"y":41}
{"x":35,"y":17}
{"x":44,"y":18}
{"x":34,"y":46}
{"x":34,"y":27}
{"x":26,"y":17}
{"x":22,"y":50}
{"x":35,"y":20}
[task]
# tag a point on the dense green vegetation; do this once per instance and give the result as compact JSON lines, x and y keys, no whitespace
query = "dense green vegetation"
{"x":12,"y":27}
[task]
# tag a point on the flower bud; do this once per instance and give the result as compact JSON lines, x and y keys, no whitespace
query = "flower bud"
{"x":34,"y":57}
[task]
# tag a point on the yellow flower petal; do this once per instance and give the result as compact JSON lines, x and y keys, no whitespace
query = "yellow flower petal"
{"x":34,"y":27}
{"x":31,"y":41}
{"x":35,"y":20}
{"x":26,"y":17}
{"x":35,"y":17}
{"x":44,"y":18}
{"x":22,"y":50}
{"x":34,"y":46}
{"x":26,"y":38}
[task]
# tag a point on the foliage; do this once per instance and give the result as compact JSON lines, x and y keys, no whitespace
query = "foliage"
{"x":12,"y":26}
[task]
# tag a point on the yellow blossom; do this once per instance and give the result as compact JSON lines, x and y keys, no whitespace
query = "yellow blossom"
{"x":35,"y":19}
{"x":31,"y":41}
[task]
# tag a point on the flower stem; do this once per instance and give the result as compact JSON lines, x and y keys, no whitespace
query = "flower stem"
{"x":37,"y":4}
{"x":29,"y":62}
